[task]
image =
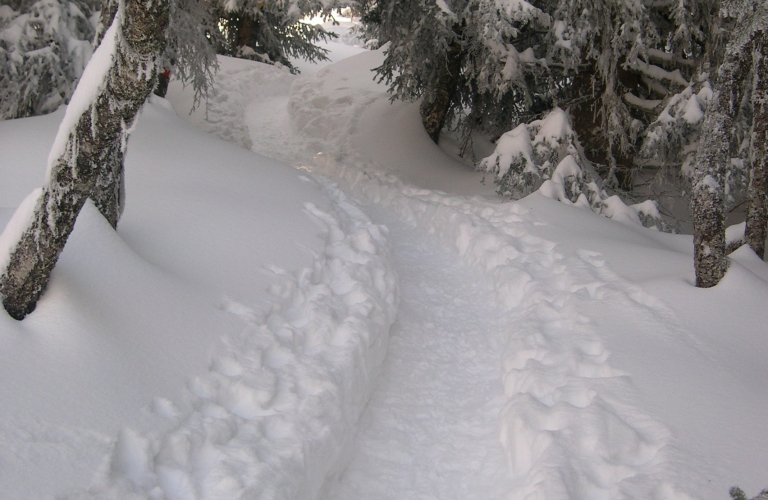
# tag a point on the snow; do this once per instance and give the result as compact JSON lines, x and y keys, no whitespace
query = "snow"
{"x":444,"y":8}
{"x":735,"y":233}
{"x":517,"y":145}
{"x":14,"y":229}
{"x":559,"y":30}
{"x":363,"y":319}
{"x":658,"y":73}
{"x":647,"y":104}
{"x":553,"y":129}
{"x":513,"y":145}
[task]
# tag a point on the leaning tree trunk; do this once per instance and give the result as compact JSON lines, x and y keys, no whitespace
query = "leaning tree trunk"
{"x":437,"y":98}
{"x":109,"y":188}
{"x":708,"y":183}
{"x":757,"y":194}
{"x":99,"y":132}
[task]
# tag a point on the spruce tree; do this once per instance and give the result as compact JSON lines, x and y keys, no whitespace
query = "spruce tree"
{"x":272,"y":31}
{"x":469,"y":61}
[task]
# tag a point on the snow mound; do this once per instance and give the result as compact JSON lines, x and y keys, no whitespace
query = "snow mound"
{"x":272,"y":416}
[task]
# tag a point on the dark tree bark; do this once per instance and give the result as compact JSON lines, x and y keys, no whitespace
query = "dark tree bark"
{"x":108,"y":188}
{"x":98,"y":138}
{"x":757,"y":194}
{"x":437,"y":98}
{"x":712,"y":159}
{"x":163,"y":79}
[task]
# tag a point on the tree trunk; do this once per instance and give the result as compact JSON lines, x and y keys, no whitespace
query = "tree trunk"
{"x":712,"y":159}
{"x":437,"y":98}
{"x":107,"y":189}
{"x":108,"y":11}
{"x":757,"y":195}
{"x":97,"y":139}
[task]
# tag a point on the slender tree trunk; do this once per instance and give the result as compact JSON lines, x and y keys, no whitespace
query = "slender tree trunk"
{"x":99,"y":133}
{"x":757,"y":195}
{"x":712,"y":159}
{"x":437,"y":99}
{"x":246,"y":31}
{"x":108,"y":187}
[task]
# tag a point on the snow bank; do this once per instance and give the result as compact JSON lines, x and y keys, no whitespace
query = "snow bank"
{"x":272,"y":416}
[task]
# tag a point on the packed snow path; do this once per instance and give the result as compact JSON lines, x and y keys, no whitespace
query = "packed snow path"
{"x":431,"y":426}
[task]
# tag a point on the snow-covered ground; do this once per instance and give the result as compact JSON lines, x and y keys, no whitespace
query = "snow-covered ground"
{"x":229,"y":340}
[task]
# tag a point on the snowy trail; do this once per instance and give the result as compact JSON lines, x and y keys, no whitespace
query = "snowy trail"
{"x":499,"y":381}
{"x":430,"y":429}
{"x":563,"y":422}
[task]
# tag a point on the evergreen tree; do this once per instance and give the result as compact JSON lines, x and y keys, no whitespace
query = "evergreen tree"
{"x":469,"y":61}
{"x":271,"y":31}
{"x":44,"y":47}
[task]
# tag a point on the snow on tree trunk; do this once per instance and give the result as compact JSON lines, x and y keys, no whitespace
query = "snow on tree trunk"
{"x":108,"y":12}
{"x":757,"y":211}
{"x":708,"y":182}
{"x":437,"y":98}
{"x":81,"y":150}
{"x":107,"y":189}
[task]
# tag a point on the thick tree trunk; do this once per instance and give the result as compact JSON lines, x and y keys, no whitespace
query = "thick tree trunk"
{"x":99,"y":134}
{"x":757,"y":195}
{"x":587,"y":95}
{"x":712,"y":159}
{"x":437,"y":99}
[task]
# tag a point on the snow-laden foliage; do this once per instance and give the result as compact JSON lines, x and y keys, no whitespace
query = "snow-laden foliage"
{"x":624,"y":69}
{"x":190,"y":50}
{"x":272,"y":31}
{"x":529,"y":154}
{"x":478,"y":53}
{"x":544,"y":155}
{"x":44,"y":47}
{"x":673,"y":137}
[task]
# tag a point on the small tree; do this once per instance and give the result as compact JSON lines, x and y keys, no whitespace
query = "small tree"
{"x":120,"y":77}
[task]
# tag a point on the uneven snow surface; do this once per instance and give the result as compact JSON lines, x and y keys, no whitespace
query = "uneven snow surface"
{"x":366,"y":320}
{"x":430,"y":428}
